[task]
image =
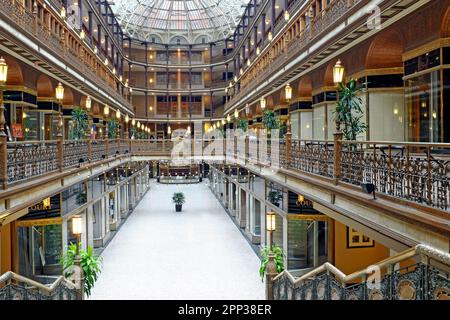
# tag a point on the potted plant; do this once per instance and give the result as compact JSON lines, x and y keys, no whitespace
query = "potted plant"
{"x":90,"y":264}
{"x":179,"y":199}
{"x":81,"y":122}
{"x":274,"y":196}
{"x":349,"y":109}
{"x":242,"y":124}
{"x":279,"y":259}
{"x":270,"y":121}
{"x":113,"y":128}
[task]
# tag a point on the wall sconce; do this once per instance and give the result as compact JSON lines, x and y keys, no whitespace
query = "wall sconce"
{"x":62,"y":13}
{"x":106,"y":110}
{"x":82,"y":34}
{"x":118,"y":114}
{"x":247,"y":108}
{"x":133,"y":122}
{"x":88,"y":103}
{"x":59,"y":92}
{"x":236,"y":113}
{"x":228,"y":118}
{"x":338,"y":72}
{"x":286,"y":15}
{"x":262,"y":103}
{"x":288,"y":92}
{"x":3,"y":71}
{"x":127,"y":118}
{"x":270,"y":36}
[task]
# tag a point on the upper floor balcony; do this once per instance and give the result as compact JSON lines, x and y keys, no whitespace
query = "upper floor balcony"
{"x":42,"y":32}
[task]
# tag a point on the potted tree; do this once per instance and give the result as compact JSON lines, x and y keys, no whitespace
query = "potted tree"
{"x":274,"y":196}
{"x":178,"y":198}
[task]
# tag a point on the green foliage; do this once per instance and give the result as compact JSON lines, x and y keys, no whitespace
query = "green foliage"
{"x":134,"y":133}
{"x":113,"y":128}
{"x":242,"y":124}
{"x":270,"y":120}
{"x":81,"y":122}
{"x":274,"y":196}
{"x":178,"y":198}
{"x":90,"y":265}
{"x":349,"y":109}
{"x":264,"y":255}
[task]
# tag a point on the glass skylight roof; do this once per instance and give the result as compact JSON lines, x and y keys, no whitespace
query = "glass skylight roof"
{"x":191,"y":21}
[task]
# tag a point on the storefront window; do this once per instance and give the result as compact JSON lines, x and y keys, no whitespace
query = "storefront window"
{"x":40,"y":250}
{"x":73,"y":197}
{"x":423,"y":98}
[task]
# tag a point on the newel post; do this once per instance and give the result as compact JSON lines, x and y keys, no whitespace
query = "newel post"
{"x":337,"y":154}
{"x":271,"y":272}
{"x":3,"y":146}
{"x":288,"y":148}
{"x":106,"y":141}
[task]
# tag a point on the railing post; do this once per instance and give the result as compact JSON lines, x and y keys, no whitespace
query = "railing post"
{"x":3,"y":145}
{"x":106,"y":142}
{"x":337,"y":155}
{"x":288,"y":148}
{"x":80,"y":281}
{"x":89,"y":148}
{"x":60,"y":153}
{"x":271,"y":272}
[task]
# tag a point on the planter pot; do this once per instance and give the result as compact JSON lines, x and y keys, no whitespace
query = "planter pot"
{"x":178,"y":207}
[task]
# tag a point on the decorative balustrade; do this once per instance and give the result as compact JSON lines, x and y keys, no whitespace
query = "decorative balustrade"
{"x":97,"y":150}
{"x":29,"y":159}
{"x":59,"y":44}
{"x":17,"y":287}
{"x":417,"y":172}
{"x":312,"y":157}
{"x":292,"y":45}
{"x":427,"y":279}
{"x":75,"y":152}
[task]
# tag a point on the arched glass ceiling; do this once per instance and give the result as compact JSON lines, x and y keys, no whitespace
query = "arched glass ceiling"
{"x":190,"y":21}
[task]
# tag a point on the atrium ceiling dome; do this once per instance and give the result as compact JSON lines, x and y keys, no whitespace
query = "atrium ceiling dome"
{"x":179,"y":21}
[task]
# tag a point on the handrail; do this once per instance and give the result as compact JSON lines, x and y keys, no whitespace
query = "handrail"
{"x":419,"y":249}
{"x":8,"y":276}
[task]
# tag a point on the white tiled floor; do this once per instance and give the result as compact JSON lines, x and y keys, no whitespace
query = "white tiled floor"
{"x":162,"y":254}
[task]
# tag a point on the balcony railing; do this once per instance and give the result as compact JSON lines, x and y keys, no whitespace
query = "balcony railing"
{"x":292,"y":48}
{"x":416,"y":172}
{"x":427,"y":279}
{"x":40,"y":32}
{"x":17,"y":287}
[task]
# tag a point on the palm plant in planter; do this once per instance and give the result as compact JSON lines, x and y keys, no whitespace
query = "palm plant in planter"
{"x":274,"y":197}
{"x":279,"y":254}
{"x":179,"y":199}
{"x":242,"y":124}
{"x":81,"y":123}
{"x":349,"y":109}
{"x":270,"y":121}
{"x":113,"y":128}
{"x":89,"y":263}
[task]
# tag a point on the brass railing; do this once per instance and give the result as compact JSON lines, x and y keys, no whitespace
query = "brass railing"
{"x":423,"y":275}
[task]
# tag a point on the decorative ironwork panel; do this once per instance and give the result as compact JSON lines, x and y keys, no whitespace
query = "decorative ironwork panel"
{"x":408,"y":283}
{"x":31,"y":159}
{"x":74,"y":153}
{"x":312,"y":157}
{"x":395,"y":170}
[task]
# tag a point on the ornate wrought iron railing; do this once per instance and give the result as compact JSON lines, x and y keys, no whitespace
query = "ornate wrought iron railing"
{"x":417,"y":172}
{"x":293,"y":46}
{"x":425,"y":279}
{"x":28,"y":159}
{"x":17,"y":287}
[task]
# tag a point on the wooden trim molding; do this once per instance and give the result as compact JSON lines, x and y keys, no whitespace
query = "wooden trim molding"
{"x":376,"y":72}
{"x":436,"y":44}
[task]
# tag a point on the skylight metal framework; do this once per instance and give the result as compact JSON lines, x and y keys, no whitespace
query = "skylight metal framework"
{"x":191,"y":21}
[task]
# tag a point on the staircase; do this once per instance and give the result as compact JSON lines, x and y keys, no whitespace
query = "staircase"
{"x":419,"y":273}
{"x":17,"y":287}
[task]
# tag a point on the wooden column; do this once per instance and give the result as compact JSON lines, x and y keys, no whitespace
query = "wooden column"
{"x":3,"y":145}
